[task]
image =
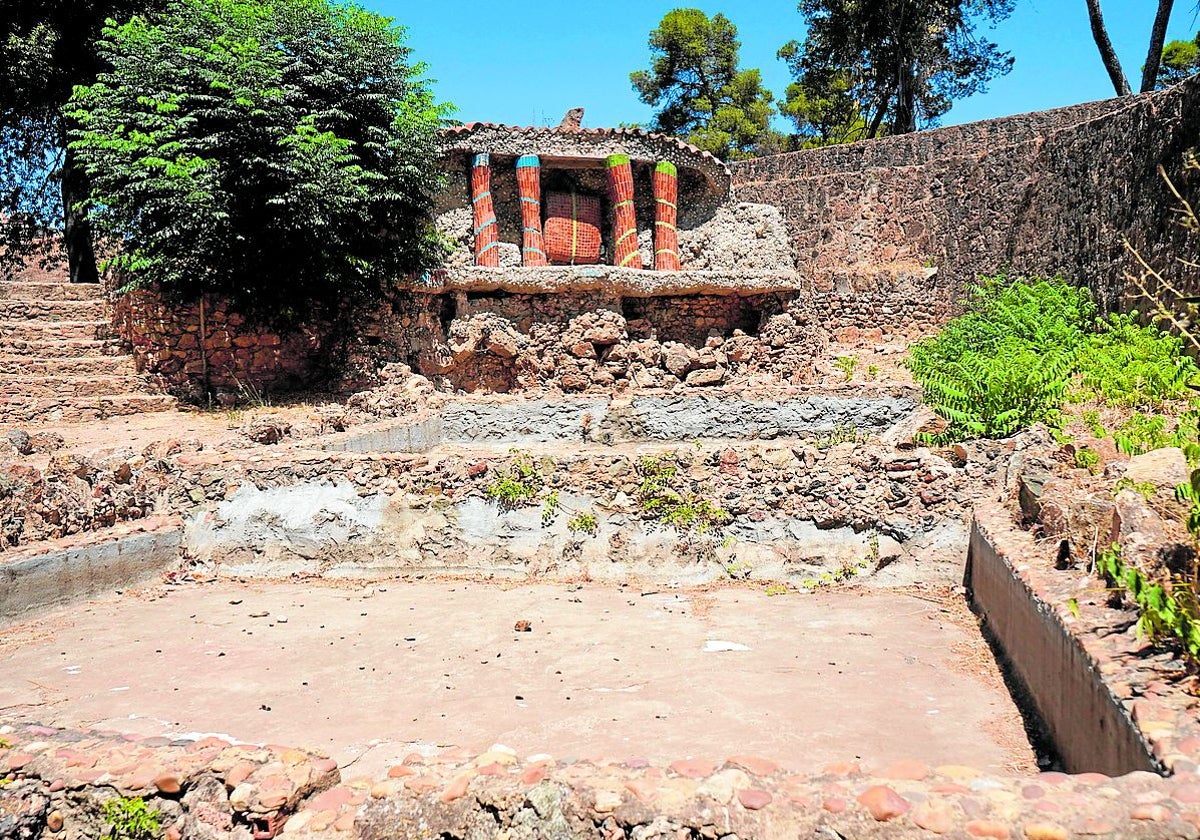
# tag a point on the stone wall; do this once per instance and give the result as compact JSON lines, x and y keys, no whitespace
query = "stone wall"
{"x":1047,"y":192}
{"x":203,"y":348}
{"x":579,"y":342}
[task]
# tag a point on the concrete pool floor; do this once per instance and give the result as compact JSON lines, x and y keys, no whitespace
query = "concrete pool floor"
{"x":372,"y":674}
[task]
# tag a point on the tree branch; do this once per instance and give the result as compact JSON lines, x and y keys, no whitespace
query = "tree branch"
{"x":1107,"y":54}
{"x":1158,"y":37}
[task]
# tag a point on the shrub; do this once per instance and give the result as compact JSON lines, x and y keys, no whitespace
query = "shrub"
{"x":1133,"y":365}
{"x":282,"y":153}
{"x":1006,"y":362}
{"x":1143,"y":433}
{"x":1023,"y":345}
{"x":1167,"y":610}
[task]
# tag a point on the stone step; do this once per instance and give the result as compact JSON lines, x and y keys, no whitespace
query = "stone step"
{"x":53,"y":349}
{"x":92,"y":330}
{"x":34,"y":384}
{"x":19,"y":290}
{"x":53,"y":310}
{"x":79,"y":409}
{"x":33,"y":366}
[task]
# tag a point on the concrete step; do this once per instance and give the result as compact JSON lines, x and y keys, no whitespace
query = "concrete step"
{"x":18,"y":290}
{"x":78,"y":409}
{"x":34,"y":384}
{"x":21,"y":309}
{"x":33,"y":367}
{"x":53,"y":349}
{"x":91,"y":330}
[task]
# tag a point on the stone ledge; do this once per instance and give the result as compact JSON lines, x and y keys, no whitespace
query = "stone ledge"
{"x":50,"y":574}
{"x":1164,"y":717}
{"x":457,"y":794}
{"x":620,"y":282}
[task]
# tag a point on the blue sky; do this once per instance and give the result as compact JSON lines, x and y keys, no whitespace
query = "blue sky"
{"x":528,"y":61}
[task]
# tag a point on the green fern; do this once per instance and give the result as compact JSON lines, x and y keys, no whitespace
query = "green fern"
{"x":1132,"y":365}
{"x":1024,"y":346}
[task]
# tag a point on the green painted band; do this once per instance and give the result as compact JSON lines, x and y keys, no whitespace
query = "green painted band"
{"x":666,"y":168}
{"x":616,"y":160}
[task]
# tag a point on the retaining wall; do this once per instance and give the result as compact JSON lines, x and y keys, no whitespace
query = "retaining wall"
{"x":53,"y":575}
{"x":1091,"y":730}
{"x":1047,"y":192}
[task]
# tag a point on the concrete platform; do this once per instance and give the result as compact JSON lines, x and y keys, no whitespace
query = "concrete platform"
{"x":370,"y":675}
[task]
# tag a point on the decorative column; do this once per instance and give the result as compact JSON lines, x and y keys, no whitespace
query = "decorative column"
{"x":625,"y":234}
{"x":529,"y":184}
{"x":666,"y":215}
{"x":487,"y":235}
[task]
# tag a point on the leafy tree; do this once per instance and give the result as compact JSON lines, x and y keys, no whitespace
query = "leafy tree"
{"x":46,"y":48}
{"x":890,"y":64}
{"x":1180,"y":59}
{"x":824,"y":108}
{"x":1158,"y":34}
{"x":700,"y":93}
{"x":281,"y":153}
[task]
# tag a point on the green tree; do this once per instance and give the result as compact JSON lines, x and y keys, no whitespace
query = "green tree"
{"x":900,"y":64}
{"x":1180,"y":59}
{"x":47,"y":47}
{"x":700,"y":93}
{"x":282,"y":153}
{"x":824,"y":107}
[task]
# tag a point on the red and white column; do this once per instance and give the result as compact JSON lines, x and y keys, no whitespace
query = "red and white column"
{"x":666,"y":217}
{"x":529,"y":184}
{"x":487,"y":234}
{"x":625,"y":233}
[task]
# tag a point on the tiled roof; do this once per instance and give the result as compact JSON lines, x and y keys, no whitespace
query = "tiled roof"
{"x":535,"y":131}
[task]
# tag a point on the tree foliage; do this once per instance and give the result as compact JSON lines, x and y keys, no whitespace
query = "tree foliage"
{"x":891,"y":65}
{"x":47,"y":47}
{"x":1180,"y":59}
{"x":280,"y":153}
{"x":699,"y":91}
{"x":824,"y":107}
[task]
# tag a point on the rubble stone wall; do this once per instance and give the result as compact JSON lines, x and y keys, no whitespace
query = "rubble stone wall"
{"x":190,"y":349}
{"x":1050,"y":192}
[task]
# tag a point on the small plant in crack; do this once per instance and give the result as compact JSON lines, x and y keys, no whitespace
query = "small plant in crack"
{"x":519,"y":485}
{"x":847,"y":365}
{"x":550,"y":508}
{"x":130,"y":819}
{"x":1087,"y":459}
{"x":664,"y":497}
{"x":584,"y":523}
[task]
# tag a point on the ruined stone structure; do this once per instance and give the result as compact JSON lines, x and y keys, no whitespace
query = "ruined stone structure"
{"x":774,"y":254}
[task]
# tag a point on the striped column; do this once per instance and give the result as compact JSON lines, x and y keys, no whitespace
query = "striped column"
{"x":529,"y":184}
{"x":625,"y":234}
{"x":666,"y":216}
{"x":487,"y":235}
